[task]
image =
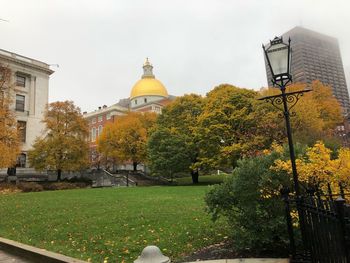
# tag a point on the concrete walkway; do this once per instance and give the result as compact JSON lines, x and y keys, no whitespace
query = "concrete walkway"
{"x":9,"y":258}
{"x":247,"y":260}
{"x":15,"y":252}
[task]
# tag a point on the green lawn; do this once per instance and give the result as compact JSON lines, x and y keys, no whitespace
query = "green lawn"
{"x":113,"y":223}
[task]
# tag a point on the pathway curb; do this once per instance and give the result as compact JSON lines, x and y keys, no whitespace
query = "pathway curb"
{"x":33,"y":254}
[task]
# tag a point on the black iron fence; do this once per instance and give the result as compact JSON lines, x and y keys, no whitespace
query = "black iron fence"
{"x":324,"y":221}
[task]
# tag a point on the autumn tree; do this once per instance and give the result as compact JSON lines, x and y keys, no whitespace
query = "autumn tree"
{"x":181,"y":118}
{"x":317,"y":167}
{"x":234,"y":124}
{"x":126,"y":138}
{"x":168,"y":153}
{"x":9,"y":139}
{"x":316,"y":114}
{"x":64,"y":146}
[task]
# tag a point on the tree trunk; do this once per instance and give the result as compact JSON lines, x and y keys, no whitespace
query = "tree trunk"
{"x":59,"y":173}
{"x":135,"y":166}
{"x":195,"y":175}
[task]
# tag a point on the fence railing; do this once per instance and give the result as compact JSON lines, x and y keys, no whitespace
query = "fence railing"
{"x":325,"y":229}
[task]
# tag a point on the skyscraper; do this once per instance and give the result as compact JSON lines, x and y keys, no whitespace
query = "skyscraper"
{"x":316,"y":56}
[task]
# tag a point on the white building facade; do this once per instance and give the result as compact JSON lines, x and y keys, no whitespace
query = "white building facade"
{"x":30,"y":81}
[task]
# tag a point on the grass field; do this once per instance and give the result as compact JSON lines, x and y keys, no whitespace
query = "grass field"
{"x":112,"y":224}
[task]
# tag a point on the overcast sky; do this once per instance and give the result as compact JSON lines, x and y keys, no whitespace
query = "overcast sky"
{"x":194,"y":45}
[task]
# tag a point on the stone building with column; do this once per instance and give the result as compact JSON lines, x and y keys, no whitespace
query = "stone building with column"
{"x":30,"y":82}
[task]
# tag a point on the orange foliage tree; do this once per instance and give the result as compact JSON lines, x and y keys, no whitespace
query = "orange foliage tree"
{"x":126,"y":138}
{"x":64,"y":147}
{"x":9,"y":139}
{"x":317,"y":113}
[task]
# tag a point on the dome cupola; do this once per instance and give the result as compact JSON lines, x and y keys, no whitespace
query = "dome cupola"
{"x":148,"y":88}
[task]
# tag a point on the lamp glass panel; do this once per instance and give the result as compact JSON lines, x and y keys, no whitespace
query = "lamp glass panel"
{"x":278,"y":56}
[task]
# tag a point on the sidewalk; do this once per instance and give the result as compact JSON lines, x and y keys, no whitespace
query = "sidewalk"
{"x":8,"y":258}
{"x":246,"y":260}
{"x":15,"y":252}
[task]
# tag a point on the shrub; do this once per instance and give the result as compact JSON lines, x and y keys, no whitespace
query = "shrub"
{"x":30,"y":187}
{"x":60,"y":186}
{"x":251,"y":203}
{"x":86,"y":181}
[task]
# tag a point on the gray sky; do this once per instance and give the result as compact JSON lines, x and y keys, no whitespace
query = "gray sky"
{"x":193,"y":45}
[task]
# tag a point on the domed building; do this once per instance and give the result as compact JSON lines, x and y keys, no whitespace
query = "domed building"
{"x":148,"y":94}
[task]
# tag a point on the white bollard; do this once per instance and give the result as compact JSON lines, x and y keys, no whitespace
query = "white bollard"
{"x":152,"y":254}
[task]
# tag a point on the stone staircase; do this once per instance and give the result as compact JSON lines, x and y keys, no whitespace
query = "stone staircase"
{"x":104,"y":178}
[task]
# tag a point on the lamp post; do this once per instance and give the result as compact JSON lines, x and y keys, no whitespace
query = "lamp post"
{"x":278,"y":56}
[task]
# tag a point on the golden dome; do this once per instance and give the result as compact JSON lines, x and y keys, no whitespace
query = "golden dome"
{"x":148,"y":86}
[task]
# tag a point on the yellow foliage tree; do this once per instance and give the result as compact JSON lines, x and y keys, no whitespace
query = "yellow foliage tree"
{"x":233,"y":124}
{"x":342,"y":167}
{"x":64,"y":147}
{"x":319,"y":169}
{"x":317,"y":113}
{"x":126,"y":138}
{"x":9,"y":139}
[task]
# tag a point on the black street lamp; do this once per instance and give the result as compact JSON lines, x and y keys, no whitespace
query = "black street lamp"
{"x":278,"y":56}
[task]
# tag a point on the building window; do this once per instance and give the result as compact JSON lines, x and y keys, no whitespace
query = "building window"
{"x":22,"y":130}
{"x":93,"y":134}
{"x":20,"y":81}
{"x":145,"y":100}
{"x":21,"y":160}
{"x":20,"y":102}
{"x":99,"y":118}
{"x":108,"y":116}
{"x":99,"y":130}
{"x":157,"y":109}
{"x":93,"y":120}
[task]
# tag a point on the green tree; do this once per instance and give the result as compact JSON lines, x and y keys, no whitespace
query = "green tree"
{"x":9,"y":141}
{"x":251,"y":203}
{"x":126,"y":138}
{"x":168,"y":153}
{"x":181,"y":118}
{"x":64,"y":147}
